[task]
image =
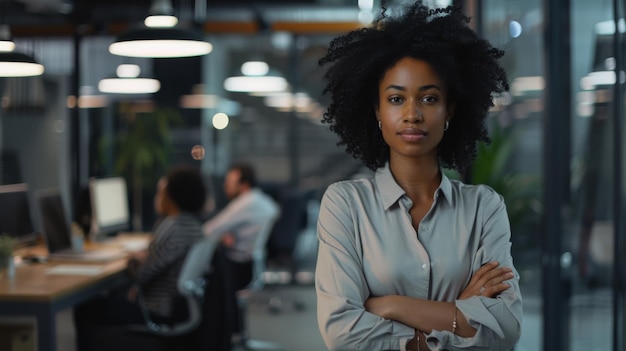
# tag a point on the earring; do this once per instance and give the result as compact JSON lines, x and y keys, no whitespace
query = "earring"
{"x":446,"y":126}
{"x":380,"y":125}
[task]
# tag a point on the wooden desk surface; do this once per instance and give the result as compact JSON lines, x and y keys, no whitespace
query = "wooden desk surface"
{"x":32,"y":282}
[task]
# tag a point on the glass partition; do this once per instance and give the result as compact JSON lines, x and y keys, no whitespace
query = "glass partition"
{"x":591,"y":235}
{"x":587,"y":283}
{"x":517,"y":119}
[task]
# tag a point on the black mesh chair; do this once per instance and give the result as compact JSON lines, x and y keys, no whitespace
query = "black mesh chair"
{"x":192,"y":282}
{"x":259,"y":255}
{"x":208,"y":299}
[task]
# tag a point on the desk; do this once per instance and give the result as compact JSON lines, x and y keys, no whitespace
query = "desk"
{"x":35,"y":293}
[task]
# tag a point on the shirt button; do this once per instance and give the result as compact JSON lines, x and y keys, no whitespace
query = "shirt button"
{"x":424,"y":227}
{"x":424,"y":266}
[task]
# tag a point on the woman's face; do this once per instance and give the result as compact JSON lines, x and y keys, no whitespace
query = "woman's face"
{"x":412,"y":109}
{"x":163,"y":205}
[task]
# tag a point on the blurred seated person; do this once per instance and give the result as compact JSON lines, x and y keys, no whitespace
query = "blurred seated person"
{"x":249,"y":210}
{"x":154,"y":273}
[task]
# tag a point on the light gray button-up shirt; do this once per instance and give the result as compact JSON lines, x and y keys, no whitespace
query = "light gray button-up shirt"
{"x":245,"y":217}
{"x":368,"y":247}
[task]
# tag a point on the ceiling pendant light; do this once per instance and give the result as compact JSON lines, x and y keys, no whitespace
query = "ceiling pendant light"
{"x":160,"y":37}
{"x":6,"y":41}
{"x":256,"y":78}
{"x":13,"y":63}
{"x":128,"y":82}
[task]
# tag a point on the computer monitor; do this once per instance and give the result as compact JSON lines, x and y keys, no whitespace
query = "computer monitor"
{"x":15,"y":217}
{"x":55,"y":225}
{"x":109,"y":205}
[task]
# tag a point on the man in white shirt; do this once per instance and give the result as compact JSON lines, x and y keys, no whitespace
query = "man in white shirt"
{"x":248,"y":212}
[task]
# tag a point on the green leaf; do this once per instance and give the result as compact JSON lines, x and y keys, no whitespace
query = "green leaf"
{"x":521,"y":192}
{"x":142,"y":146}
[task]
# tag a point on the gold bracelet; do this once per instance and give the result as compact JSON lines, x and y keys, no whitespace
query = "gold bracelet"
{"x":454,"y":320}
{"x":418,"y":340}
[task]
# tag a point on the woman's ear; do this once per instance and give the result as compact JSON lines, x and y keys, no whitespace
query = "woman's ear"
{"x":450,"y":114}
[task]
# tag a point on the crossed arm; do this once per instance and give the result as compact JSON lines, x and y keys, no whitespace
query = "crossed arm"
{"x":426,"y":315}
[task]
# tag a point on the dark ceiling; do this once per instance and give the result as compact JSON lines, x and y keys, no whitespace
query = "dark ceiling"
{"x":41,"y":18}
{"x":98,"y":12}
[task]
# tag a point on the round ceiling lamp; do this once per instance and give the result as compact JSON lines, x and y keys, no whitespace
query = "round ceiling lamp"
{"x":6,"y":40}
{"x":160,"y":37}
{"x":256,"y":84}
{"x":16,"y":64}
{"x":128,"y":82}
{"x":129,"y":85}
{"x":6,"y":45}
{"x":256,"y":78}
{"x":13,"y":63}
{"x":160,"y":42}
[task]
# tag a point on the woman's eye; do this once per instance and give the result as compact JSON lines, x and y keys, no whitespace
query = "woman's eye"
{"x":429,"y":99}
{"x":395,"y":99}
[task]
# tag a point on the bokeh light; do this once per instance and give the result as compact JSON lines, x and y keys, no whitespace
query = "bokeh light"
{"x":197,"y":152}
{"x":515,"y":29}
{"x":220,"y":120}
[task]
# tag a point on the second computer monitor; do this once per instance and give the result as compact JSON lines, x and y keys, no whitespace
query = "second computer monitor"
{"x":109,"y":205}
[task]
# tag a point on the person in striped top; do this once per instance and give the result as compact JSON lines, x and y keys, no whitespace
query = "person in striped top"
{"x":179,"y":200}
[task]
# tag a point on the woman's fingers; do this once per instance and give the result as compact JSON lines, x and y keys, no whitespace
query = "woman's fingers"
{"x":493,"y":282}
{"x":497,"y":276}
{"x":477,"y":281}
{"x":494,"y":290}
{"x":488,"y":281}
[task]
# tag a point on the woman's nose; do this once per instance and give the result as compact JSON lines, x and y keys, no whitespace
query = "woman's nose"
{"x":413,"y":114}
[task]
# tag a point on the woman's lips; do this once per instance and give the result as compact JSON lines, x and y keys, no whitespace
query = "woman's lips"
{"x":412,"y":134}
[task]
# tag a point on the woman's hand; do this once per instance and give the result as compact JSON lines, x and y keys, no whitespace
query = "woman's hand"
{"x":379,"y":306}
{"x":488,"y":281}
{"x":228,"y":240}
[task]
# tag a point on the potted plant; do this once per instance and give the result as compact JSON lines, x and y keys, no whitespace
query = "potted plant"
{"x":7,"y":246}
{"x":142,"y":149}
{"x":521,"y":191}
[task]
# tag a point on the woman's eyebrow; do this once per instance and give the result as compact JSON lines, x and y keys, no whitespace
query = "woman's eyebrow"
{"x":422,"y":88}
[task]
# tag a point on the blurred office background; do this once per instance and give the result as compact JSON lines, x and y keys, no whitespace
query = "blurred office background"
{"x":557,"y":152}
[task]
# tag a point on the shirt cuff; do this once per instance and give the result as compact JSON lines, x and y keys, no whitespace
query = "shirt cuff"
{"x":402,"y":329}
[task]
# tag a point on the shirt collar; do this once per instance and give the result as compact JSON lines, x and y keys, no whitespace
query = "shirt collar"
{"x":445,"y":187}
{"x":391,"y":192}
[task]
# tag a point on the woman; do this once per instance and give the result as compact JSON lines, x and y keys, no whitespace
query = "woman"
{"x":179,"y":200}
{"x":409,"y":259}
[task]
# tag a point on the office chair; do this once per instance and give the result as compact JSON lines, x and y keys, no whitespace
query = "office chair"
{"x":191,"y":286}
{"x":256,"y":284}
{"x":208,"y":325}
{"x":301,"y":268}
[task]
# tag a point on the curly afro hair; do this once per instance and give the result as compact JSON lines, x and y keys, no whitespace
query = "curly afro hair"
{"x":467,"y":64}
{"x":186,"y":188}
